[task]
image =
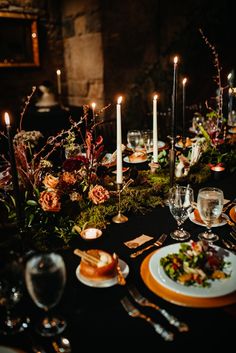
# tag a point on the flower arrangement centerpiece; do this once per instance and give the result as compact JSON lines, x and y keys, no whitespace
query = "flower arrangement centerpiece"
{"x":65,"y":185}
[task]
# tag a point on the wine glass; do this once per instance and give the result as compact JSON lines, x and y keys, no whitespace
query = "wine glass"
{"x":45,"y":276}
{"x":180,"y":202}
{"x":210,"y":202}
{"x":133,"y":138}
{"x":11,"y":293}
{"x":147,"y":139}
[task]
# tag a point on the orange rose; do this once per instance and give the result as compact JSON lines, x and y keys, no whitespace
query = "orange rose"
{"x":50,"y":181}
{"x":98,"y":194}
{"x":68,"y":178}
{"x":50,"y":201}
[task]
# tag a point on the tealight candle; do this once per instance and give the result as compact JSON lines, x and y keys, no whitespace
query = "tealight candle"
{"x":217,"y":172}
{"x":91,"y":233}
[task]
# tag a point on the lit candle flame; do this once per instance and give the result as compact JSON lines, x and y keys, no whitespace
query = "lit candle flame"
{"x":93,"y":105}
{"x":119,"y":100}
{"x":184,"y":81}
{"x":229,"y":76}
{"x":155,"y":97}
{"x":7,"y":119}
{"x":58,"y":72}
{"x":176,"y":60}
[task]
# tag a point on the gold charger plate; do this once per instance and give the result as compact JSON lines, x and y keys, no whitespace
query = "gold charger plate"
{"x":232,"y":213}
{"x":180,"y":299}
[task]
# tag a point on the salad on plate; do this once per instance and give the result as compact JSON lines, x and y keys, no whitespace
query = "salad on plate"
{"x":197,"y":264}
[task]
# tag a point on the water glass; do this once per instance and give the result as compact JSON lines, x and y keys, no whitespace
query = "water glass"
{"x":133,"y":138}
{"x":45,"y":276}
{"x":210,"y":205}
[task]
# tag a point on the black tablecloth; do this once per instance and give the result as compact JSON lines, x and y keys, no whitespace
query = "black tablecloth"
{"x":95,"y":315}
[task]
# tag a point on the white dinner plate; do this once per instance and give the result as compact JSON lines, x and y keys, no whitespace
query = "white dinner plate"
{"x":105,"y":283}
{"x":217,"y":288}
{"x":126,"y":160}
{"x":224,"y":220}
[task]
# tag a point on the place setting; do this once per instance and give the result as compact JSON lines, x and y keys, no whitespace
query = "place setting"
{"x":191,"y":273}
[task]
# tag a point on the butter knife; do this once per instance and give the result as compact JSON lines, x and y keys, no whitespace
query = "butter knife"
{"x":157,"y":243}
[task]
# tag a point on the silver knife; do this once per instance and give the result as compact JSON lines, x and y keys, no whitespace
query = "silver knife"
{"x":157,"y":243}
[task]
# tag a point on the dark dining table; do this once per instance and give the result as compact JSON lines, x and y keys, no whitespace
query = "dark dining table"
{"x":96,"y":320}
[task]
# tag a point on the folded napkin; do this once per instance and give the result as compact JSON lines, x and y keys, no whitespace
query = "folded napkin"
{"x":136,"y":242}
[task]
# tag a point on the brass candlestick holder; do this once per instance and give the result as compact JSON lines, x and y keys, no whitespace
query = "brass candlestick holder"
{"x":119,"y":218}
{"x":172,"y":161}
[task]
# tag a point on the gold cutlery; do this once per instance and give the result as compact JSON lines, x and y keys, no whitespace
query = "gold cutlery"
{"x":231,"y":203}
{"x":157,"y":243}
{"x":233,"y":235}
{"x":120,"y":278}
{"x":229,"y":245}
{"x":134,"y":312}
{"x":140,"y":299}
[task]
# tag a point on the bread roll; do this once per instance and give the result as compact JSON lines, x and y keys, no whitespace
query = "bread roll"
{"x":137,"y":157}
{"x":105,"y":268}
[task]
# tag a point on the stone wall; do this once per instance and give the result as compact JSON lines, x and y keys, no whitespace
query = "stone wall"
{"x":83,"y":52}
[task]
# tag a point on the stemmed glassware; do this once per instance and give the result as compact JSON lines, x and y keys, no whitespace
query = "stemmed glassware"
{"x":210,"y":202}
{"x":180,"y":202}
{"x":147,"y":139}
{"x":133,"y":138}
{"x":11,"y":293}
{"x":45,"y":276}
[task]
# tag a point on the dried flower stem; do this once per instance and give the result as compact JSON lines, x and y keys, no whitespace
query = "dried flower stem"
{"x":27,"y":102}
{"x":217,"y":78}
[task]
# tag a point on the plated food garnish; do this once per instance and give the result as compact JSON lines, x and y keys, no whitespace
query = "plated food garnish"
{"x":196,"y":264}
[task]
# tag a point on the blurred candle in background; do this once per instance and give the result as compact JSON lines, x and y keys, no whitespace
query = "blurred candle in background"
{"x":119,"y":172}
{"x":184,"y":103}
{"x":59,"y":82}
{"x":174,"y":98}
{"x":230,"y":95}
{"x":93,"y":105}
{"x":155,"y":133}
{"x":14,"y":173}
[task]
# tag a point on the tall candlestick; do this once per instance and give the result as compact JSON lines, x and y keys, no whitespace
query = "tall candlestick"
{"x":93,"y":105}
{"x":119,"y":172}
{"x":174,"y":99}
{"x":155,"y":133}
{"x":184,"y":97}
{"x":59,"y":82}
{"x":15,"y":183}
{"x":230,"y":94}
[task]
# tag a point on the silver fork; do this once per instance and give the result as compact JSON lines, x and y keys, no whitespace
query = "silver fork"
{"x":134,"y":312}
{"x":233,"y":234}
{"x":140,"y":299}
{"x":229,"y":245}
